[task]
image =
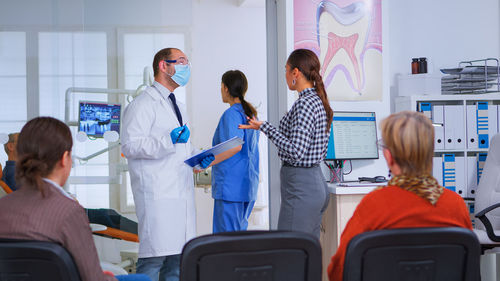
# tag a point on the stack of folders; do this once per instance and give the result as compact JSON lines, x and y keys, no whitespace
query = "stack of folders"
{"x":451,"y":172}
{"x":481,"y":121}
{"x":457,"y":128}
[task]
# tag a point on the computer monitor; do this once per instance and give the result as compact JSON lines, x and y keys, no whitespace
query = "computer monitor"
{"x":95,"y":118}
{"x":353,"y":135}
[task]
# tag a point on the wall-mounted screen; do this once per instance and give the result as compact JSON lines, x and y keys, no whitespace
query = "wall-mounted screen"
{"x":96,"y":118}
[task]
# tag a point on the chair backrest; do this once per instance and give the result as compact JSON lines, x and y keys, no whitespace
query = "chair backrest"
{"x":441,"y":253}
{"x":35,"y":261}
{"x":488,"y":189}
{"x":255,"y":255}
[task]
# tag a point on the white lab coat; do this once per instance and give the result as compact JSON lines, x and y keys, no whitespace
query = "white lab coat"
{"x":161,"y":182}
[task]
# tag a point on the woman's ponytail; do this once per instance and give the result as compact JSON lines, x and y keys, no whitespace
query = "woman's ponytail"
{"x":237,"y":85}
{"x":248,"y":108}
{"x":29,"y":171}
{"x":320,"y":89}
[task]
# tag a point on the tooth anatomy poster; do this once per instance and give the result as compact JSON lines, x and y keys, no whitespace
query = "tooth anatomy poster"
{"x":347,"y":37}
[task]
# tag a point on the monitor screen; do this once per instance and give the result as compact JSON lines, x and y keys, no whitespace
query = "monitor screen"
{"x":353,"y":135}
{"x":96,"y":118}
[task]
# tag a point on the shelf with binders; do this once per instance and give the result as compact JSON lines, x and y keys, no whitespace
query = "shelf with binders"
{"x":463,"y":126}
{"x":461,"y":150}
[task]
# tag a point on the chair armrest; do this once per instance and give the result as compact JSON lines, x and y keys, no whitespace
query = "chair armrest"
{"x":486,"y":222}
{"x":483,"y":212}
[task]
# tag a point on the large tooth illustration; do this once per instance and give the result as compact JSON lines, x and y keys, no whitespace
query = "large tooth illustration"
{"x":344,"y":49}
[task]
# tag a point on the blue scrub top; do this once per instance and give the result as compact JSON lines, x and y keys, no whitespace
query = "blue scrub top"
{"x":237,"y":178}
{"x":9,"y":174}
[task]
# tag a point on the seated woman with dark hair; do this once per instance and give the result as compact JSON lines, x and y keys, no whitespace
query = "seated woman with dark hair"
{"x":40,"y":209}
{"x":412,"y":198}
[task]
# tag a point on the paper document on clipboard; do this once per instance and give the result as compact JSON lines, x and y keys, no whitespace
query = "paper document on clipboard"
{"x":217,"y":149}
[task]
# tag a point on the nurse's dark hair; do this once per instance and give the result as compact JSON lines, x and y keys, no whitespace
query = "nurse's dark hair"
{"x":308,"y":64}
{"x":40,"y":145}
{"x":163,"y":54}
{"x":237,"y":85}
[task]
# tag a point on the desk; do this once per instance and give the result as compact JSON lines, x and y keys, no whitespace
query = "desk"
{"x":343,"y":202}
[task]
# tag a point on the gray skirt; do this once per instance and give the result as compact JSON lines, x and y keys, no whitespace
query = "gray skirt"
{"x":304,"y":198}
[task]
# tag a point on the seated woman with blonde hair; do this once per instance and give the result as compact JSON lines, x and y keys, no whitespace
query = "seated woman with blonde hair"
{"x":41,"y":210}
{"x":412,"y":198}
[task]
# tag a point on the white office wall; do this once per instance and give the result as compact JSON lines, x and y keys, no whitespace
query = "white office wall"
{"x":381,"y":108}
{"x":13,"y":110}
{"x":95,"y":12}
{"x":226,"y":36}
{"x":445,"y":31}
{"x":376,"y":167}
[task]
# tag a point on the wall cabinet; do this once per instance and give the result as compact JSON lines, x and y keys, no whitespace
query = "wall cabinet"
{"x":463,"y":125}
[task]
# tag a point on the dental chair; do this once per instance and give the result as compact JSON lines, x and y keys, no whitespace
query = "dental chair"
{"x":117,"y":226}
{"x":487,"y":228}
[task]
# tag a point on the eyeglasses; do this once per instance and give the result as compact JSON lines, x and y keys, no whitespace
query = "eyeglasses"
{"x":181,"y":61}
{"x":381,"y":145}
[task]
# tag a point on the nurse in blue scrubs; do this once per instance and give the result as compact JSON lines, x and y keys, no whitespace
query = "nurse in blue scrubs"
{"x":235,"y":174}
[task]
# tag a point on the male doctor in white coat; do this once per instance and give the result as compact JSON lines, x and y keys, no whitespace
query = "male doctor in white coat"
{"x":155,"y":140}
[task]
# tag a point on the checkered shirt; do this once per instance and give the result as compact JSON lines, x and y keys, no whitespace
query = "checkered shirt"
{"x":302,"y":138}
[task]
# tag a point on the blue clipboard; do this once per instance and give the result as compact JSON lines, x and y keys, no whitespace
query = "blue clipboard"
{"x":221,"y":147}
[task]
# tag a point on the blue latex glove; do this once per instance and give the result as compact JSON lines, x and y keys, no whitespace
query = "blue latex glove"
{"x":180,"y":134}
{"x":205,"y":162}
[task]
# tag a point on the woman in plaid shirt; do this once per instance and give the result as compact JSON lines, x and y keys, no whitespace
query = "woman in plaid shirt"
{"x":301,"y":139}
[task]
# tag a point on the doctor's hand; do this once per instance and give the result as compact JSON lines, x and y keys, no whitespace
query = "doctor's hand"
{"x":180,"y":134}
{"x":253,"y":123}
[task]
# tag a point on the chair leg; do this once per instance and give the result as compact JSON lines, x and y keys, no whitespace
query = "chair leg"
{"x":497,"y":268}
{"x":489,"y":267}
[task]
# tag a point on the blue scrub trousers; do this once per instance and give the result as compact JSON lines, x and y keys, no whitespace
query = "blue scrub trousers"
{"x":231,"y":216}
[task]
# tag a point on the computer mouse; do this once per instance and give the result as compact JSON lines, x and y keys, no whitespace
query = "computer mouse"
{"x":379,"y":179}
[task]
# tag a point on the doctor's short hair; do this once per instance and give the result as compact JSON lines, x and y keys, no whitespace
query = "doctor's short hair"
{"x":12,"y":138}
{"x":409,"y":136}
{"x":163,"y":54}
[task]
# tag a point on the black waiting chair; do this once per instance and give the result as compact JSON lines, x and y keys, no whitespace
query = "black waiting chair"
{"x":487,"y":199}
{"x":416,"y":254}
{"x":252,"y":255}
{"x":22,"y":260}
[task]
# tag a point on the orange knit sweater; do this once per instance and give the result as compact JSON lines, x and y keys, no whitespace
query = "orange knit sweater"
{"x":394,"y":207}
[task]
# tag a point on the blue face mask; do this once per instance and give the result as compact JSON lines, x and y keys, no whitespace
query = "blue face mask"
{"x":182,"y":73}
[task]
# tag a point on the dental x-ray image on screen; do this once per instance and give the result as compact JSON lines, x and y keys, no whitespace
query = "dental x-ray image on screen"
{"x":97,"y":118}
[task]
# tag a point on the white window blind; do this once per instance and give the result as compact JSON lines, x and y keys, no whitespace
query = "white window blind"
{"x":76,"y":59}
